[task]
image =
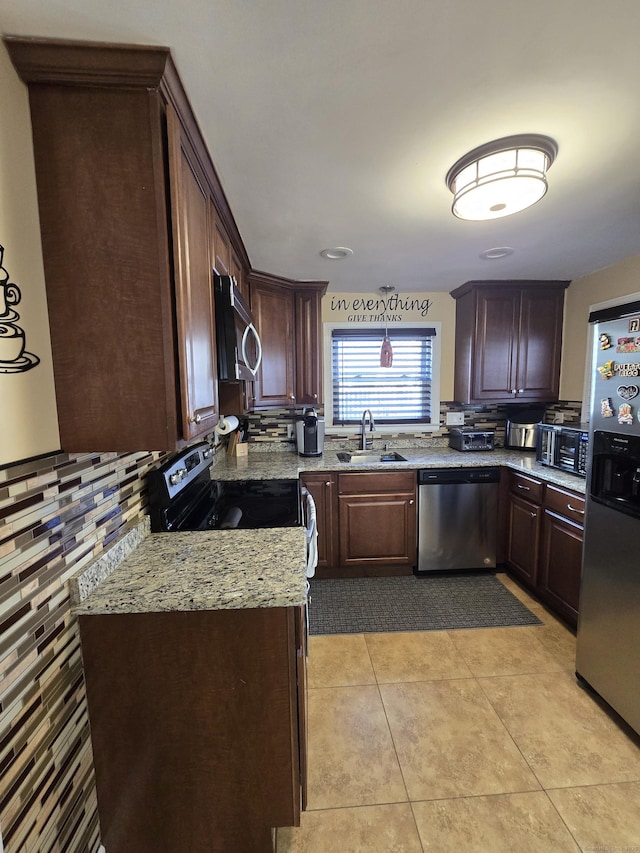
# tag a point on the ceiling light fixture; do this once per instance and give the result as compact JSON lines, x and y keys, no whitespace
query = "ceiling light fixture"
{"x":501,"y":177}
{"x":387,"y":288}
{"x":338,"y":253}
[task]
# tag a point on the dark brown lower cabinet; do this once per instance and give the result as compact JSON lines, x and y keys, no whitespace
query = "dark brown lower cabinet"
{"x":561,"y":552}
{"x":377,"y":519}
{"x":198,"y":725}
{"x":366,"y":522}
{"x":323,"y":487}
{"x":544,"y":542}
{"x":523,"y":538}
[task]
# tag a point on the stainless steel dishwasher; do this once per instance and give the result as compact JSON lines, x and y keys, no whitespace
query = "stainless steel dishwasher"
{"x":457,"y":518}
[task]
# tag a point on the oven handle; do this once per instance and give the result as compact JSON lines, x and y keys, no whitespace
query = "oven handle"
{"x":311,"y":526}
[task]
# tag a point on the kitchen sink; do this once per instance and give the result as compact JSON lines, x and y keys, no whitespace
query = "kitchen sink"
{"x":370,"y":456}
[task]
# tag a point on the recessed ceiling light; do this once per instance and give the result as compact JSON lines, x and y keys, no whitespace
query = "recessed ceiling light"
{"x":338,"y":253}
{"x":495,"y":254}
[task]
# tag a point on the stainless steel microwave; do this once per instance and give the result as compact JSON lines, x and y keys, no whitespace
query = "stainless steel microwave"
{"x":237,"y":340}
{"x":563,"y":447}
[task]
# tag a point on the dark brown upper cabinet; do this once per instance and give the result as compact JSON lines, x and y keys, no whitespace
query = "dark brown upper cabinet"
{"x":128,"y":200}
{"x":508,"y":341}
{"x":287,"y":314}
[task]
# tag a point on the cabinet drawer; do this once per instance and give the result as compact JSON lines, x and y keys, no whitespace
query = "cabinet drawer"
{"x":526,"y":487}
{"x":569,"y":504}
{"x":374,"y":482}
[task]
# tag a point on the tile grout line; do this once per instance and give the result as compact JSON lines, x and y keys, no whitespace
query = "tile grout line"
{"x":395,"y":749}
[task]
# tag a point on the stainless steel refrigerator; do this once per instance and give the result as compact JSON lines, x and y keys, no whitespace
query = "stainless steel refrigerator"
{"x":608,"y":648}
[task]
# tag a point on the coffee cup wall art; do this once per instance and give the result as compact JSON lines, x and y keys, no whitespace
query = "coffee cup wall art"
{"x":14,"y":358}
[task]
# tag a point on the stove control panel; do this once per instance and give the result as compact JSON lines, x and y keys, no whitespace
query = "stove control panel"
{"x":183,"y":468}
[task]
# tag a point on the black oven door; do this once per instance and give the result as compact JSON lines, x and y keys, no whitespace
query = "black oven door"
{"x":251,"y":504}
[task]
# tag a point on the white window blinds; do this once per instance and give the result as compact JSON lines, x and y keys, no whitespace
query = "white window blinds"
{"x":397,"y":394}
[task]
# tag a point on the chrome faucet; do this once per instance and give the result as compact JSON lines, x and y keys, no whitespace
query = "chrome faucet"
{"x":364,"y":442}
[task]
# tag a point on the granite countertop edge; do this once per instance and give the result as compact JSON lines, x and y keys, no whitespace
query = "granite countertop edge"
{"x":203,"y":570}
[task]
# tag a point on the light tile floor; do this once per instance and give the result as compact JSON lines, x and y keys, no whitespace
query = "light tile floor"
{"x":476,"y":740}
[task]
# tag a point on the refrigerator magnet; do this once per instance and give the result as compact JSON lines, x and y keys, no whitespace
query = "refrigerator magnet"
{"x":625,"y":414}
{"x":627,"y":392}
{"x":628,"y":344}
{"x":606,"y":371}
{"x":606,"y":409}
{"x":605,"y":341}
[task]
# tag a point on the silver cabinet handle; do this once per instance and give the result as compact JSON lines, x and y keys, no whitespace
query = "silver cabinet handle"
{"x":524,"y":488}
{"x":252,"y":329}
{"x":195,"y":419}
{"x":328,"y":483}
{"x":411,"y":502}
{"x":575,"y":509}
{"x":533,"y":515}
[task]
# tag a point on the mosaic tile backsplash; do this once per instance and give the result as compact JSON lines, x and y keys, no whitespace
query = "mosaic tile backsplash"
{"x":56,"y":515}
{"x":268,"y":427}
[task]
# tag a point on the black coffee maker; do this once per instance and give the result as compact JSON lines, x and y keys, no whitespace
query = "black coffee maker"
{"x":310,"y":434}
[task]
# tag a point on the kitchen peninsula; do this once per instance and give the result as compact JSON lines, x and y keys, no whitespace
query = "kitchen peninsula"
{"x":194,"y":658}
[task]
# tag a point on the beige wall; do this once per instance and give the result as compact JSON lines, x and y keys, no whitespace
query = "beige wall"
{"x":354,"y":308}
{"x":28,"y":419}
{"x":620,"y":279}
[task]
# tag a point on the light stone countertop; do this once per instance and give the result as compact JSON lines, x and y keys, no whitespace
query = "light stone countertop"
{"x":235,"y":569}
{"x":209,"y":570}
{"x":288,"y":465}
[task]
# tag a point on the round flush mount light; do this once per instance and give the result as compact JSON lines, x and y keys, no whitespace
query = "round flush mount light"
{"x":496,"y":253}
{"x":387,"y":288}
{"x":338,"y":253}
{"x":501,"y":177}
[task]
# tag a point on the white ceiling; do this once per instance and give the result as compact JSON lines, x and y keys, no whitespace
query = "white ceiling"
{"x":334,"y":122}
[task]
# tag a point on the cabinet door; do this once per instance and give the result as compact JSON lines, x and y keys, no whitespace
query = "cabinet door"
{"x":302,"y":710}
{"x":323,"y":491}
{"x":561,"y":564}
{"x":377,"y":530}
{"x":194,"y":292}
{"x":272,"y":310}
{"x":494,"y":356}
{"x":523,"y":536}
{"x":539,"y":344}
{"x":308,"y":349}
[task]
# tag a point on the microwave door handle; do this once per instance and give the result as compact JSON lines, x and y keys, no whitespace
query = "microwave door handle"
{"x":256,"y":367}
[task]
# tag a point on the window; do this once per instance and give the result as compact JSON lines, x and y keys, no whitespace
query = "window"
{"x":404,"y":394}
